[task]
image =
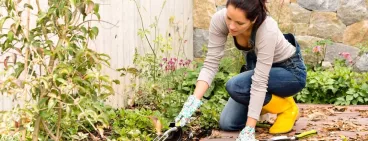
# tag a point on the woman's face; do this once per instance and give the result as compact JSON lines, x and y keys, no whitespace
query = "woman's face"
{"x":236,"y":21}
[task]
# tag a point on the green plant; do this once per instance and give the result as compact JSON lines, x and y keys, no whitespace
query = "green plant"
{"x":149,"y":66}
{"x":217,"y":94}
{"x":53,"y":71}
{"x":319,"y":53}
{"x":214,"y":99}
{"x":363,"y":48}
{"x":136,"y":124}
{"x":340,"y":86}
{"x":146,"y":62}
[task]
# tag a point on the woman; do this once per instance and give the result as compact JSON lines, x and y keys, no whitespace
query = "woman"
{"x":275,"y":70}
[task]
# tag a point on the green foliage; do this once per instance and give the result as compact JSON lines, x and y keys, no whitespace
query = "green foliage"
{"x":61,"y":86}
{"x":135,"y":124}
{"x":167,"y":84}
{"x":214,"y":99}
{"x":340,"y":86}
{"x":146,"y":62}
{"x":319,"y":53}
{"x":217,"y":95}
{"x":363,"y":47}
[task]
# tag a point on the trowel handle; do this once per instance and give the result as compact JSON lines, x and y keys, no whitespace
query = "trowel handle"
{"x":306,"y":133}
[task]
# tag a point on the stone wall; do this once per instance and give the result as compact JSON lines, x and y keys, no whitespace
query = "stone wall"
{"x":345,"y":22}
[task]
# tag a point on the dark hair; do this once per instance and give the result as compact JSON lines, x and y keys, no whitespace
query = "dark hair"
{"x":252,"y":8}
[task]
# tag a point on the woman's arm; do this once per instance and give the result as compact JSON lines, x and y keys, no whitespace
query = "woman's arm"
{"x":218,"y":33}
{"x":201,"y":88}
{"x":216,"y":45}
{"x":265,"y":44}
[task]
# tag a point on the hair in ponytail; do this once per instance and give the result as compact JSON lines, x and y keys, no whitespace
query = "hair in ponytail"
{"x":253,"y":9}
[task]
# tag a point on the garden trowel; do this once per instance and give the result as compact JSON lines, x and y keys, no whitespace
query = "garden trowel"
{"x":293,"y":138}
{"x":175,"y":133}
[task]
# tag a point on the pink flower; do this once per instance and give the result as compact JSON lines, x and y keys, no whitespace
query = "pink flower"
{"x":316,"y":49}
{"x":187,"y":62}
{"x":346,"y":56}
{"x":170,"y":62}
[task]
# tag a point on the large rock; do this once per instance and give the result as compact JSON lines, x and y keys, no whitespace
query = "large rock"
{"x":333,"y":51}
{"x":301,"y":29}
{"x":320,"y":5}
{"x":361,"y":64}
{"x":287,"y":27}
{"x":307,"y":42}
{"x":352,"y":11}
{"x":220,"y":2}
{"x":356,"y":33}
{"x":280,"y":11}
{"x":299,"y":14}
{"x":202,"y":12}
{"x":200,"y":40}
{"x":279,"y":1}
{"x":326,"y":25}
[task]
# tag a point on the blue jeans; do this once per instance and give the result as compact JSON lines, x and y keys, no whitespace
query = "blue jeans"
{"x":287,"y":78}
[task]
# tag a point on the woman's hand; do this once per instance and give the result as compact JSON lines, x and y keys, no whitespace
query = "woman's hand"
{"x":191,"y":105}
{"x":247,"y":134}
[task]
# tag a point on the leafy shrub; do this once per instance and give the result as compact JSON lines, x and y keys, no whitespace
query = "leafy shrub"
{"x":135,"y":124}
{"x":340,"y":86}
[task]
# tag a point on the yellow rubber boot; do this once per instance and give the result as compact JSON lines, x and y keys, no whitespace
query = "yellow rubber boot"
{"x":291,"y":100}
{"x":294,"y":106}
{"x":286,"y":111}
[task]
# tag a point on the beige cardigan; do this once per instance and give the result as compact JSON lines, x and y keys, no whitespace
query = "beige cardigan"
{"x":270,"y":47}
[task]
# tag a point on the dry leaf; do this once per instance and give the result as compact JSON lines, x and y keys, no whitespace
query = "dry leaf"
{"x":363,"y":113}
{"x":90,"y":7}
{"x":131,"y":102}
{"x":157,"y":124}
{"x":101,"y":131}
{"x":266,"y":118}
{"x":94,"y":138}
{"x":317,"y":116}
{"x":340,"y":108}
{"x":18,"y":50}
{"x":6,"y":62}
{"x":215,"y":134}
{"x":14,"y":58}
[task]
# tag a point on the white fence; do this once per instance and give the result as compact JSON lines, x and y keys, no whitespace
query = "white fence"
{"x":119,"y":37}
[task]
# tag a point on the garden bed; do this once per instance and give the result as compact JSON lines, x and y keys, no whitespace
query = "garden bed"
{"x":331,"y":123}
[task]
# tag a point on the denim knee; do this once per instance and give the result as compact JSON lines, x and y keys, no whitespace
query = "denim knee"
{"x":233,"y":116}
{"x":224,"y":124}
{"x":227,"y":125}
{"x":238,"y":93}
{"x":231,"y":88}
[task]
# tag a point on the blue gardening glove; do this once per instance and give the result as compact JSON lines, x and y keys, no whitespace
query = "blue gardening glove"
{"x":247,"y":134}
{"x":191,"y":105}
